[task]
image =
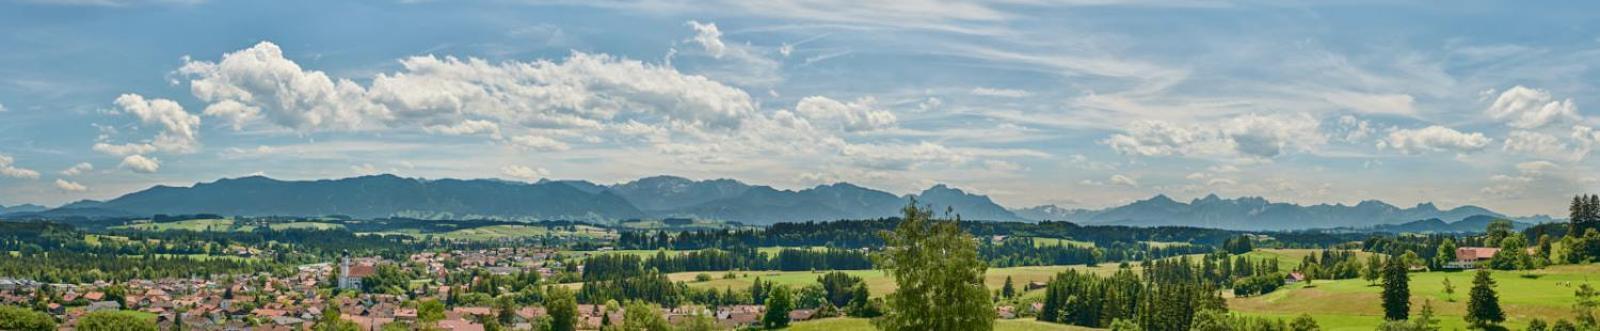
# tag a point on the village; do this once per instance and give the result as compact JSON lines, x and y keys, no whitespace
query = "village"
{"x":296,"y":302}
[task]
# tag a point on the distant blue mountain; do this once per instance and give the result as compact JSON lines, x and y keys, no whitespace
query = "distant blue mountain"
{"x":651,"y":197}
{"x":717,"y":199}
{"x":1255,"y":213}
{"x":23,"y":208}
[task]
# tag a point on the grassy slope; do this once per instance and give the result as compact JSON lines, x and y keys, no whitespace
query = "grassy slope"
{"x":1353,"y":304}
{"x":854,"y":324}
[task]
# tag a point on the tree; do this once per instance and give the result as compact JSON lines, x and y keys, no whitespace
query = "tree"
{"x":643,"y":316}
{"x":23,"y":319}
{"x":940,"y":277}
{"x":1497,"y":230}
{"x":563,"y":308}
{"x":1396,"y":290}
{"x":430,"y":311}
{"x":1009,"y":290}
{"x":1446,"y":253}
{"x":1373,"y":270}
{"x":779,"y":303}
{"x":330,"y":321}
{"x":1583,"y":308}
{"x":839,"y":287}
{"x":1424,"y":320}
{"x":861,"y":303}
{"x":1483,"y":308}
{"x":700,"y":322}
{"x":1304,"y":323}
{"x":1449,"y":290}
{"x":107,"y":320}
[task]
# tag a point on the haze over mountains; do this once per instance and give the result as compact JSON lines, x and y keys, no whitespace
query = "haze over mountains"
{"x":720,"y":199}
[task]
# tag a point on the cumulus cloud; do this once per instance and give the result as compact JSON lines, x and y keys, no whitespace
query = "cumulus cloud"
{"x":8,"y":169}
{"x":69,"y":186}
{"x":1433,"y":139}
{"x":141,"y":164}
{"x":708,"y":36}
{"x":524,"y":172}
{"x":1528,"y":108}
{"x":1540,"y":144}
{"x":464,"y":96}
{"x":858,"y":115}
{"x":1249,"y":136}
{"x":178,"y":130}
{"x":77,"y":169}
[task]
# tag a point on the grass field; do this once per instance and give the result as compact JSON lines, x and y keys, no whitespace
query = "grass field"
{"x":306,"y":225}
{"x":1354,"y":304}
{"x":854,"y":324}
{"x":496,"y":232}
{"x":1288,"y":259}
{"x":877,"y":282}
{"x":190,"y":225}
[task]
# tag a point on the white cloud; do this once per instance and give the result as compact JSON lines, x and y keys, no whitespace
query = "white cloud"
{"x":468,"y":127}
{"x":708,"y":36}
{"x":1528,"y":108}
{"x":999,"y":92}
{"x":858,"y":115}
{"x":77,"y":169}
{"x":471,"y":96}
{"x":179,"y":129}
{"x":1124,"y":180}
{"x":1541,"y":145}
{"x":1249,"y":136}
{"x":141,"y":164}
{"x":3,"y":108}
{"x":539,"y":143}
{"x":1355,"y":129}
{"x":69,"y":186}
{"x":8,"y":169}
{"x":1432,"y":139}
{"x":524,"y":172}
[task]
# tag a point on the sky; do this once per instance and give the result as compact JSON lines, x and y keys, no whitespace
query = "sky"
{"x":1075,"y":103}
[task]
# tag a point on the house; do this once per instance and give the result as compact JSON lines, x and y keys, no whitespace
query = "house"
{"x":1294,"y":277}
{"x":1468,"y":257}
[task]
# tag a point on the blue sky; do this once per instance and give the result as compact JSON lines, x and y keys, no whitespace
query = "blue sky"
{"x":1075,"y":103}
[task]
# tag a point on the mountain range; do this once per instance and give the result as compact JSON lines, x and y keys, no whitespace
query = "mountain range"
{"x":719,"y":199}
{"x":651,"y":197}
{"x":1254,"y":213}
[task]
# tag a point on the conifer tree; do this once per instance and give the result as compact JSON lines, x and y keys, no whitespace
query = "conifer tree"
{"x":1396,"y":290}
{"x":1483,"y":308}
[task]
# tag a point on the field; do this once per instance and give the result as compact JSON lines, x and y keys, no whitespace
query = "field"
{"x":1353,"y":304}
{"x":189,"y":225}
{"x":1288,"y":259}
{"x":854,"y":324}
{"x":877,"y":282}
{"x":496,"y":232}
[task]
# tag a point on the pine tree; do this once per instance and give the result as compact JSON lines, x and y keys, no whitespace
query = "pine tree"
{"x":1449,"y":290}
{"x":1396,"y":290}
{"x":1483,"y":308}
{"x":1009,"y":290}
{"x":940,"y":277}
